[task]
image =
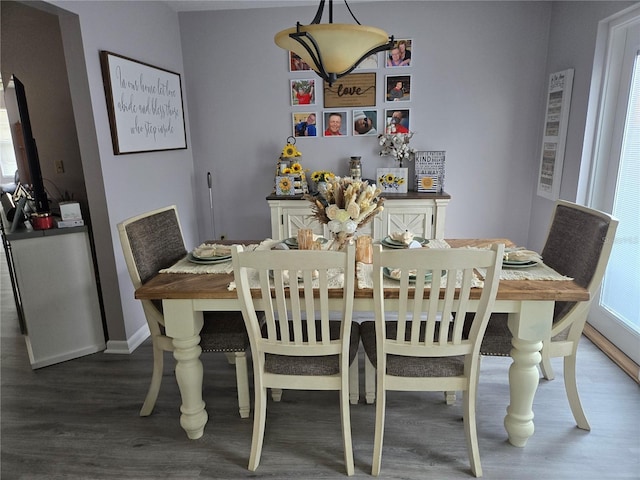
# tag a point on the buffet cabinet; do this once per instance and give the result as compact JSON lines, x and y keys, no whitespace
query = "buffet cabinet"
{"x":55,"y":291}
{"x":423,"y":214}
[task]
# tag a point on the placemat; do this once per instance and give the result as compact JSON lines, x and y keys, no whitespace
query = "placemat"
{"x":185,"y":266}
{"x":364,"y":274}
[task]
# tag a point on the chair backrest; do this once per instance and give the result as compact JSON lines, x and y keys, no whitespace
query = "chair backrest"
{"x":150,"y":242}
{"x":441,"y":317}
{"x":578,"y":245}
{"x":296,"y":319}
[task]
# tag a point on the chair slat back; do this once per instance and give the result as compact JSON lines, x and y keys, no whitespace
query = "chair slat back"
{"x":429,"y":323}
{"x":296,"y":319}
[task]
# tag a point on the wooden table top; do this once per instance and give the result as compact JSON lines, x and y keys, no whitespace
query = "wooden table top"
{"x":215,"y":286}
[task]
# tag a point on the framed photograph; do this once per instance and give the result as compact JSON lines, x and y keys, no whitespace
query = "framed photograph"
{"x":555,"y":133}
{"x":365,"y":122}
{"x":144,"y":104}
{"x":400,"y":54}
{"x":369,"y":63}
{"x":396,"y":120}
{"x":393,"y":180}
{"x":304,"y":124}
{"x":296,"y":64}
{"x":335,"y":124}
{"x":398,"y":88}
{"x":303,"y":91}
{"x":353,"y":90}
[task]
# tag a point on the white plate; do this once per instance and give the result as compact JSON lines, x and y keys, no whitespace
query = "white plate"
{"x":510,"y":264}
{"x":391,"y":243}
{"x":412,"y":278}
{"x":208,"y":261}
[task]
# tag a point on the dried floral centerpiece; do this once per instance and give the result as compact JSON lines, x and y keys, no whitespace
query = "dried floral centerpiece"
{"x":396,"y":145}
{"x":346,"y":206}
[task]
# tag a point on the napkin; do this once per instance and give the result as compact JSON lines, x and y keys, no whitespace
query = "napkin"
{"x":404,"y":237}
{"x":521,"y":255}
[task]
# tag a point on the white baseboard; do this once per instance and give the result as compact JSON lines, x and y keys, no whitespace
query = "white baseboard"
{"x":127,"y":347}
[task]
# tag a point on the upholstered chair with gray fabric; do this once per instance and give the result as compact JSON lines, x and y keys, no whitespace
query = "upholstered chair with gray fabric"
{"x":416,"y":342}
{"x":301,"y":345}
{"x":578,"y":245}
{"x":153,"y":241}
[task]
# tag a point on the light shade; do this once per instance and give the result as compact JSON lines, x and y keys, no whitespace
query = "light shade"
{"x":333,"y":50}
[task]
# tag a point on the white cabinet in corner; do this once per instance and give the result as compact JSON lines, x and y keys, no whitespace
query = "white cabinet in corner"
{"x":421,"y":213}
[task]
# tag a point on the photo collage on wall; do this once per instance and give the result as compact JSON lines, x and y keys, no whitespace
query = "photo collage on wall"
{"x":348,"y":107}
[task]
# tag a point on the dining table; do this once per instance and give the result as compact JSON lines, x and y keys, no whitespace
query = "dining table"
{"x":529,"y":304}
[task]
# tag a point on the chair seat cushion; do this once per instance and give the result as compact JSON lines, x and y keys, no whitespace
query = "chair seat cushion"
{"x":404,"y":366}
{"x":223,"y":332}
{"x":309,"y":365}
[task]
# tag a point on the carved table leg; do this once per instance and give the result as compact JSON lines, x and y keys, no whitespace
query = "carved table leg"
{"x":183,"y":325}
{"x":528,"y":327}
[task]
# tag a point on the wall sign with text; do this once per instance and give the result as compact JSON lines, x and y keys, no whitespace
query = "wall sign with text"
{"x":145,"y":105}
{"x":354,"y":90}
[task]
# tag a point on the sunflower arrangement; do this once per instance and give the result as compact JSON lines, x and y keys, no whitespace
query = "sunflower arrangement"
{"x":322,"y":176}
{"x":346,"y":206}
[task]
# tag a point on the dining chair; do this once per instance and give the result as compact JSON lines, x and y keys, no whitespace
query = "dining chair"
{"x":298,"y":347}
{"x":416,"y":342}
{"x":578,"y":245}
{"x":153,"y":241}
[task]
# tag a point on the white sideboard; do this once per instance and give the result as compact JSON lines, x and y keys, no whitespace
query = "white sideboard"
{"x":423,"y":214}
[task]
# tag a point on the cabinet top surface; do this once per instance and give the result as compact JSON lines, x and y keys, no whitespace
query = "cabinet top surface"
{"x":388,"y":196}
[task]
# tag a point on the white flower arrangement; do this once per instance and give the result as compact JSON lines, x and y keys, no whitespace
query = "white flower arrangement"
{"x":396,"y":145}
{"x":347,"y":205}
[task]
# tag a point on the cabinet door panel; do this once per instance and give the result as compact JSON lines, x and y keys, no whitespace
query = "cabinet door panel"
{"x":297,"y":218}
{"x":417,"y":222}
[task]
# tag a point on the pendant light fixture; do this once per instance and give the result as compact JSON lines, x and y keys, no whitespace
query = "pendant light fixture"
{"x":333,"y":50}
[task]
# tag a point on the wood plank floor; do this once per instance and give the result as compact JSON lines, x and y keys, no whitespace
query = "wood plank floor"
{"x":79,"y":420}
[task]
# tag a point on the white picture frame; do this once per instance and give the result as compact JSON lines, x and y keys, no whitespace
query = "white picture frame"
{"x":555,"y":134}
{"x":144,"y":104}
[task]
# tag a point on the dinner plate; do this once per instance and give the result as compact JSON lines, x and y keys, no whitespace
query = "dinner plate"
{"x":412,"y":278}
{"x":207,"y":261}
{"x":211,"y":257}
{"x":391,"y":243}
{"x":292,"y":242}
{"x":515,"y":264}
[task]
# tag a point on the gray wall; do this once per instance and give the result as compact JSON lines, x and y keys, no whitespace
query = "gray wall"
{"x":479,"y":79}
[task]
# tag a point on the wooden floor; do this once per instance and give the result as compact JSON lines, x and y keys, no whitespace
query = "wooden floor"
{"x":79,"y":420}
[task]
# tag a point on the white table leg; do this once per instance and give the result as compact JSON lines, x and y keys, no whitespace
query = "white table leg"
{"x":183,"y":324}
{"x":528,"y":328}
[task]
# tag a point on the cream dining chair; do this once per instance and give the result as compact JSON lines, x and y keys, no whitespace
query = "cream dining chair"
{"x":578,"y":245}
{"x":153,"y":241}
{"x":298,"y":347}
{"x":417,"y":343}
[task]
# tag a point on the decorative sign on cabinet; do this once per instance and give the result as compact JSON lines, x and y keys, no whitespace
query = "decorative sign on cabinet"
{"x":421,"y":213}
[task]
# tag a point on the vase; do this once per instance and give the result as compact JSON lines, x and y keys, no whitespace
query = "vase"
{"x":340,"y":241}
{"x":322,"y":188}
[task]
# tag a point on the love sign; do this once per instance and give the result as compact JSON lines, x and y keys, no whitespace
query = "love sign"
{"x":354,"y":90}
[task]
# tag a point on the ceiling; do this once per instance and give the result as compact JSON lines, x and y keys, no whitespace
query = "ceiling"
{"x":193,"y":5}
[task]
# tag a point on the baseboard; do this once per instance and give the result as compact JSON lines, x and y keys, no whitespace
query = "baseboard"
{"x":125,"y":347}
{"x":630,"y":367}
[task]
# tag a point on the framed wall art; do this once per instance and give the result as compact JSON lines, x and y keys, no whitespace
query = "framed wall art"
{"x":397,"y":120}
{"x":335,"y":124}
{"x":303,"y":91}
{"x":353,"y":90}
{"x":365,"y":122}
{"x":393,"y":180}
{"x":400,"y":54}
{"x":555,"y":133}
{"x":398,"y":88}
{"x":144,"y":105}
{"x":430,"y":171}
{"x":305,"y":124}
